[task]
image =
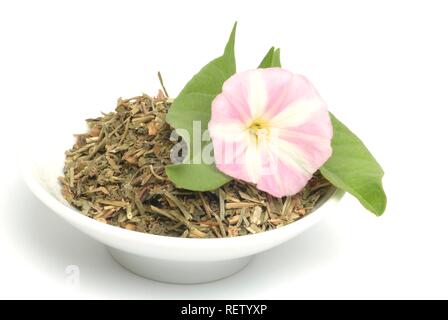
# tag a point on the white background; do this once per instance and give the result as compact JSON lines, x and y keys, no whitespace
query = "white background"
{"x":382,"y":66}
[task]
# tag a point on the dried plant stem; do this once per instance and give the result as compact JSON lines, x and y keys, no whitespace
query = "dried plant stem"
{"x":115,"y":174}
{"x":159,"y":75}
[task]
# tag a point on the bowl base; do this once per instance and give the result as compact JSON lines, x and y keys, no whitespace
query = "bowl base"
{"x":180,"y":272}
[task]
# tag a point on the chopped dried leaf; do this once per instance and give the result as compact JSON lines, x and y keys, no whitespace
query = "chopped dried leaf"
{"x":115,"y":174}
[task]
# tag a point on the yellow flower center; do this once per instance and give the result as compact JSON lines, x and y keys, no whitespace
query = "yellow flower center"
{"x":259,"y":129}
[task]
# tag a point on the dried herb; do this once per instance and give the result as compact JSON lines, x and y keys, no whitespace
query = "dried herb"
{"x":115,"y":173}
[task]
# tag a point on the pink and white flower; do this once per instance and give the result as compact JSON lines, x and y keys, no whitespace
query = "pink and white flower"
{"x":271,"y":128}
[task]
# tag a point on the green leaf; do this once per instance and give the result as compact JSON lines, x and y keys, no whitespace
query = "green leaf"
{"x":271,"y":59}
{"x":194,"y":104}
{"x":196,"y":177}
{"x":352,"y":168}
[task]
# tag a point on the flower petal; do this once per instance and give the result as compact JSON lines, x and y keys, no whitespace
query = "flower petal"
{"x":281,"y":179}
{"x":257,"y":95}
{"x":297,"y":113}
{"x":248,"y":91}
{"x":225,"y":111}
{"x":288,"y":92}
{"x":312,"y":138}
{"x":236,"y":92}
{"x":232,"y":158}
{"x":291,"y":158}
{"x":278,"y":89}
{"x":230,"y":132}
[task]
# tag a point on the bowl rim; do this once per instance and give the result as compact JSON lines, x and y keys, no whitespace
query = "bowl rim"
{"x":71,"y":214}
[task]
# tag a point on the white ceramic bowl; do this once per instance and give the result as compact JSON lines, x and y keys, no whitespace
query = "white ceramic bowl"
{"x":168,"y":259}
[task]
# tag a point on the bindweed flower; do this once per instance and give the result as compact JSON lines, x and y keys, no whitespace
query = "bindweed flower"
{"x":271,"y":128}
